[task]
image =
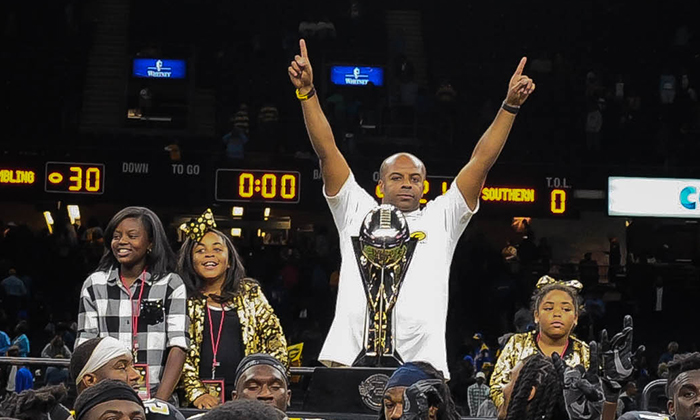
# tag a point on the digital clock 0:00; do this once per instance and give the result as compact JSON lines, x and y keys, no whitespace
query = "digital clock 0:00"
{"x":252,"y":185}
{"x":267,"y":186}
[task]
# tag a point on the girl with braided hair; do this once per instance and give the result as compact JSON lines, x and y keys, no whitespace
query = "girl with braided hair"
{"x":535,"y":391}
{"x":555,"y":306}
{"x":40,"y":404}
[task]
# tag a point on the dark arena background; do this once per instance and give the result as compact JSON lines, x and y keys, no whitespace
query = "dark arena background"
{"x":183,"y":105}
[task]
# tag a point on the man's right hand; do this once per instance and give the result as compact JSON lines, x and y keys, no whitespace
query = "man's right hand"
{"x":334,"y":168}
{"x":618,"y":357}
{"x":300,"y":72}
{"x":206,"y":401}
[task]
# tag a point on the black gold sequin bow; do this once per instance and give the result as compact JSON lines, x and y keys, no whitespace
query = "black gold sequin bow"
{"x":198,"y":227}
{"x":546,"y":281}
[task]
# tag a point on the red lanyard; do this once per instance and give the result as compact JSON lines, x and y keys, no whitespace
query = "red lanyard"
{"x":135,"y":312}
{"x":215,"y":346}
{"x":563,"y":351}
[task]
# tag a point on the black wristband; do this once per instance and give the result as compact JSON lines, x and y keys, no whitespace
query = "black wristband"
{"x":509,"y":108}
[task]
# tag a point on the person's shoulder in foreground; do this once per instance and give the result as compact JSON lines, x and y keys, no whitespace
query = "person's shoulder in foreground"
{"x":643,"y":415}
{"x":161,"y":410}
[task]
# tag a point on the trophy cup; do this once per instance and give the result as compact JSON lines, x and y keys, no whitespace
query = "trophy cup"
{"x":383,"y":251}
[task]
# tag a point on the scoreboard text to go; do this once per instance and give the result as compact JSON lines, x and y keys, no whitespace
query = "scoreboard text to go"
{"x":74,"y":178}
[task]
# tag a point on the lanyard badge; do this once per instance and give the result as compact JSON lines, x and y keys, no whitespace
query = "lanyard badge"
{"x":215,"y":344}
{"x":135,"y":313}
{"x":215,"y":386}
{"x":143,"y":385}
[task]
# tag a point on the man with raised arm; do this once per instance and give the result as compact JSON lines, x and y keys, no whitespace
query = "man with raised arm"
{"x":419,"y":333}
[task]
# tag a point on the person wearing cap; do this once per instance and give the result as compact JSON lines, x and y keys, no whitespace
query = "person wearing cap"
{"x":111,"y":398}
{"x":262,"y":377}
{"x":477,"y":393}
{"x":483,"y":352}
{"x":108,"y":359}
{"x":394,"y":399}
{"x":462,"y":379}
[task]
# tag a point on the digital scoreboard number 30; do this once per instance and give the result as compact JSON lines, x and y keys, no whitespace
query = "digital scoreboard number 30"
{"x":74,"y":178}
{"x":254,"y":185}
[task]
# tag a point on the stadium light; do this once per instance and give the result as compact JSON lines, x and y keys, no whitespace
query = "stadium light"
{"x":49,"y":221}
{"x":73,"y":213}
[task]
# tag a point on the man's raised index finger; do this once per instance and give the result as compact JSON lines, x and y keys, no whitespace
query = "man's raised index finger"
{"x":302,"y":47}
{"x":521,"y":67}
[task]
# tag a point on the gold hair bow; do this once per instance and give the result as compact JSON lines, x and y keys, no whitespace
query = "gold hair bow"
{"x":196,"y":228}
{"x":546,"y":281}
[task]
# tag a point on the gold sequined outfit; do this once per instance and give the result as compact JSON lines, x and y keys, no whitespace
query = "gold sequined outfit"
{"x":520,"y":347}
{"x":260,"y":330}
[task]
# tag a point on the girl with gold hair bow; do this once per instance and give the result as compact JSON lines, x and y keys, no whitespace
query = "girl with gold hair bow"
{"x":555,"y":306}
{"x":230,"y":317}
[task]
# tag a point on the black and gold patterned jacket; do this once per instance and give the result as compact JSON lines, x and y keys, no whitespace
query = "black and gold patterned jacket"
{"x":520,"y":347}
{"x":260,"y":330}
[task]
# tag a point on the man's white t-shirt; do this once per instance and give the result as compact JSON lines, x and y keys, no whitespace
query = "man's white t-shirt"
{"x":420,"y":313}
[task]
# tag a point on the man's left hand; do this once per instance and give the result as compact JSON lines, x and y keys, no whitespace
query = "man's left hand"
{"x":520,"y":86}
{"x":583,"y":393}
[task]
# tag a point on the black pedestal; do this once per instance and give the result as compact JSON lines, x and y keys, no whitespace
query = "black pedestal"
{"x":363,"y":360}
{"x":346,"y":390}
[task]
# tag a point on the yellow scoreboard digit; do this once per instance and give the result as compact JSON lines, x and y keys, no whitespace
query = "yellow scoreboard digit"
{"x":74,"y":178}
{"x":253,"y":185}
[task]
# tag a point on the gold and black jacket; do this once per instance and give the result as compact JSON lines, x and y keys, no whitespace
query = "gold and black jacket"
{"x":261,"y":332}
{"x":520,"y":347}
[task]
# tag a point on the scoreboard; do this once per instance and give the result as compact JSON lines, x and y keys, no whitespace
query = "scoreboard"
{"x":207,"y":181}
{"x":541,"y":197}
{"x":72,"y":177}
{"x":148,"y":181}
{"x":253,"y":185}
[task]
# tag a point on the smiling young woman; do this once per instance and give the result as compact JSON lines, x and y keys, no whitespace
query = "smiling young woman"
{"x":227,"y":311}
{"x":555,"y":306}
{"x":138,"y":267}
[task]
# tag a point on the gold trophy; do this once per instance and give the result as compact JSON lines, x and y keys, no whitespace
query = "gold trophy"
{"x":383,"y":251}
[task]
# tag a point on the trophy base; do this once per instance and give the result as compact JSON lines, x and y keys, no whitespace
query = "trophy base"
{"x":366,"y":360}
{"x":356,"y":390}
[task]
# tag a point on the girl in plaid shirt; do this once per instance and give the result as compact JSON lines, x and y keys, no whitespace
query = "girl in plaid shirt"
{"x":135,"y":297}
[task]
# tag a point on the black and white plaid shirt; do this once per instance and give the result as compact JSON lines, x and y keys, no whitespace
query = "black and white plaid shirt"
{"x":105,"y":310}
